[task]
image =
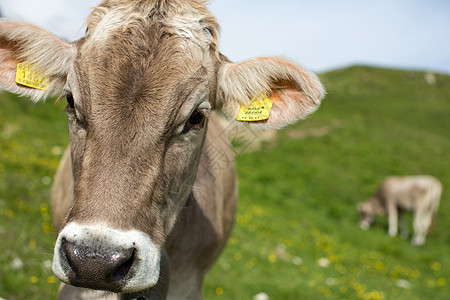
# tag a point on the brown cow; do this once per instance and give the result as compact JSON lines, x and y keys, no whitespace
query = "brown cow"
{"x":149,"y":182}
{"x":417,"y":194}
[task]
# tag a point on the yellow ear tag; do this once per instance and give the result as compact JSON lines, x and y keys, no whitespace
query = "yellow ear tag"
{"x":257,"y":110}
{"x":27,"y":76}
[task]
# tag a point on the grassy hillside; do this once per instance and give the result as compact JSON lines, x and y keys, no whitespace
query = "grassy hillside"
{"x":296,"y":235}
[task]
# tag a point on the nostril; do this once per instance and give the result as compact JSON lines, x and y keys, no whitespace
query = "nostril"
{"x":68,"y":253}
{"x":122,"y":270}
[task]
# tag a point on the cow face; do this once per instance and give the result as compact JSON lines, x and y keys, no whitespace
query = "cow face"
{"x":367,"y":213}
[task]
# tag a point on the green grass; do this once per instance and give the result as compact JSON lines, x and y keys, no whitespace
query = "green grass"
{"x":298,"y":196}
{"x":32,"y":138}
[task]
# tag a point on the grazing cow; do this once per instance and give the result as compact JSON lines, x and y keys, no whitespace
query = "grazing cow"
{"x":144,"y":201}
{"x":417,"y":194}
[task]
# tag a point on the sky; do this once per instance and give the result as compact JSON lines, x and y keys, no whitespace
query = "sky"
{"x":321,"y":35}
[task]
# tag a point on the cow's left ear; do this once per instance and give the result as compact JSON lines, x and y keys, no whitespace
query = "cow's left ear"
{"x":294,"y":91}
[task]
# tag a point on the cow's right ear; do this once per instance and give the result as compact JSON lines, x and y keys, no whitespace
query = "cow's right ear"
{"x":292,"y":93}
{"x":37,"y":49}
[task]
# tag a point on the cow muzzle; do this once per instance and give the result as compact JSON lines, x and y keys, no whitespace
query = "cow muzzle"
{"x":102,"y":258}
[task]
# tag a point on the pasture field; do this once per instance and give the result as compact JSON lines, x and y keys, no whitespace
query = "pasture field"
{"x":296,"y":234}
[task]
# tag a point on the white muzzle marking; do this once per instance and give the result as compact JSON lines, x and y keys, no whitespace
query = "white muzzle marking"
{"x":146,"y":267}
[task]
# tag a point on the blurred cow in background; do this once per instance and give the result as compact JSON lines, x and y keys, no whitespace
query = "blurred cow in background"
{"x":417,"y":194}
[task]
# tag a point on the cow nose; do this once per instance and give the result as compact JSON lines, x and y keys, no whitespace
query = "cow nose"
{"x":103,"y":258}
{"x":96,"y":267}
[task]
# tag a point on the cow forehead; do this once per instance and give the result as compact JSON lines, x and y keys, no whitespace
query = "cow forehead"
{"x":146,"y":66}
{"x":133,"y":52}
{"x":127,"y":71}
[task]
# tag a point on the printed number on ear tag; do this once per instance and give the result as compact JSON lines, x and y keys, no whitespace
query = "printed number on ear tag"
{"x":27,"y":76}
{"x":257,"y":110}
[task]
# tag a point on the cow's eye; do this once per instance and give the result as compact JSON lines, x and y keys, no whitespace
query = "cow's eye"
{"x":70,"y":101}
{"x":72,"y":111}
{"x":195,"y":121}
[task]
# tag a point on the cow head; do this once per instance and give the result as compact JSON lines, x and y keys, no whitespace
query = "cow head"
{"x":368,"y":212}
{"x":140,"y":87}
